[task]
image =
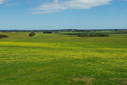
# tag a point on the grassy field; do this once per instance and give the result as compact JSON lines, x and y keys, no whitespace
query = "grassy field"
{"x":54,"y":59}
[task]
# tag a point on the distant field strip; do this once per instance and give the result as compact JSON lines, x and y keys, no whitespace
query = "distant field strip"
{"x":57,"y":45}
{"x":29,"y":44}
{"x":63,"y":51}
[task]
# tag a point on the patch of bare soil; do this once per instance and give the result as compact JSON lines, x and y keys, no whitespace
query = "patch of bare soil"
{"x":87,"y":81}
{"x":122,"y":81}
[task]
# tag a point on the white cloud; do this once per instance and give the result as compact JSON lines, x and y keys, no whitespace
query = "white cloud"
{"x":2,"y":1}
{"x":58,"y":5}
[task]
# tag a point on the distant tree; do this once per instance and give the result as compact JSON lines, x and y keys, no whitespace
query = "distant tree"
{"x":3,"y":36}
{"x":115,"y":29}
{"x":32,"y":34}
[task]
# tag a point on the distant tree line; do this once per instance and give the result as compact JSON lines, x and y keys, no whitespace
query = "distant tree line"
{"x":87,"y":34}
{"x":93,"y":35}
{"x":63,"y":30}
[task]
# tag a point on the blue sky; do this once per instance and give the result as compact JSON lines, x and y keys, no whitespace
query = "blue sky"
{"x":63,"y":14}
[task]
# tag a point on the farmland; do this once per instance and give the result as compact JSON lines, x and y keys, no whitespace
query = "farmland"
{"x":56,"y":59}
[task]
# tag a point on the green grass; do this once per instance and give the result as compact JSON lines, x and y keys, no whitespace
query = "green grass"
{"x":54,"y":59}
